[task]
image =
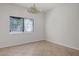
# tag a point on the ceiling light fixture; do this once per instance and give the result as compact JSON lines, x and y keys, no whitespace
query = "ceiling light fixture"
{"x":33,"y":9}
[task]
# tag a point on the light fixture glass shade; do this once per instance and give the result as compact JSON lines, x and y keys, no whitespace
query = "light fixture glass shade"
{"x":33,"y":9}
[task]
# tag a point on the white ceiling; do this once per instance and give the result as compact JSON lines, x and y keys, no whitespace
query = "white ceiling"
{"x":41,"y":6}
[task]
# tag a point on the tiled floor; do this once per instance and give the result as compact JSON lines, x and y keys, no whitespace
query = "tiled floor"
{"x":40,"y":48}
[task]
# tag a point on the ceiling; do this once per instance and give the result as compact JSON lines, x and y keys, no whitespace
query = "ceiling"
{"x":41,"y":6}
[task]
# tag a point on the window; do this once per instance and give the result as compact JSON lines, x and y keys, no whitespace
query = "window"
{"x":19,"y":24}
{"x":28,"y":25}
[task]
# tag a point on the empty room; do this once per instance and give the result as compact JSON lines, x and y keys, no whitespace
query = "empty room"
{"x":39,"y":29}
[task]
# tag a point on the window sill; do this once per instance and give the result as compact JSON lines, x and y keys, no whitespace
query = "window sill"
{"x":19,"y":32}
{"x":15,"y":32}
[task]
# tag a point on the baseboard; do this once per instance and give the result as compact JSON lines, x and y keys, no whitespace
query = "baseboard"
{"x":63,"y":44}
{"x":20,"y":43}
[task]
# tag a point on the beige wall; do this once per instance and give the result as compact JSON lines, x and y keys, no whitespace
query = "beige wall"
{"x":62,"y":25}
{"x":7,"y":39}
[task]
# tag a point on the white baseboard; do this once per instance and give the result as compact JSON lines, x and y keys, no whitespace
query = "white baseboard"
{"x":63,"y":44}
{"x":14,"y":44}
{"x":9,"y":45}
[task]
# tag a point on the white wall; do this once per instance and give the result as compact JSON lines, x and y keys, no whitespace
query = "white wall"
{"x":7,"y":39}
{"x":62,"y":25}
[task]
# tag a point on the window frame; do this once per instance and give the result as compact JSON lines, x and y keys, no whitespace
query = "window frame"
{"x":23,"y":25}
